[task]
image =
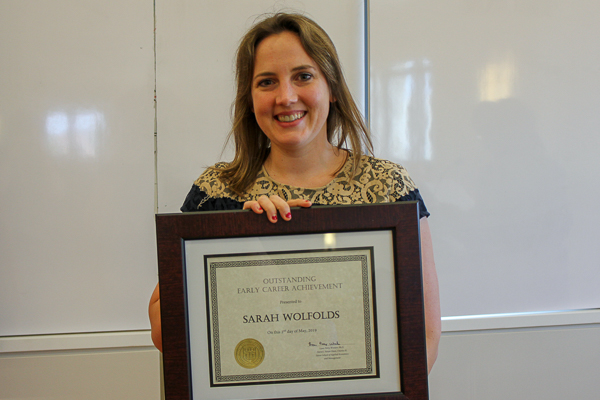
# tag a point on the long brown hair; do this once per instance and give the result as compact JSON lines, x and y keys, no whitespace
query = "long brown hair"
{"x":344,"y":122}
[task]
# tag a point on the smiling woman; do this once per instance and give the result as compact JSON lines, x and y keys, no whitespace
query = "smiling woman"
{"x":299,"y":138}
{"x":290,"y":96}
{"x":290,"y":99}
{"x":317,"y":55}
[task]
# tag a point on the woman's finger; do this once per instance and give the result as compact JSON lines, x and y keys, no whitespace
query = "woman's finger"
{"x":254,"y":206}
{"x":273,"y":205}
{"x":293,"y":203}
{"x":299,"y":203}
{"x":267,"y":204}
{"x":282,"y":206}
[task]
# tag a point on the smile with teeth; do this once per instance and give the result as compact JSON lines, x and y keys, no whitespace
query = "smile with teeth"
{"x":290,"y":117}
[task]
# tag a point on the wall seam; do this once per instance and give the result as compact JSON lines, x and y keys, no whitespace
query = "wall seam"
{"x":367,"y":56}
{"x":155,"y":120}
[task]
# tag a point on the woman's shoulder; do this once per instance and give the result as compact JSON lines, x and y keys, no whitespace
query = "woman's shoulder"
{"x":209,"y":192}
{"x":385,"y":180}
{"x":389,"y":173}
{"x":209,"y":180}
{"x":379,"y":163}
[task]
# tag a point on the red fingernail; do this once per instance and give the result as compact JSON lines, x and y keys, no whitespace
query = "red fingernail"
{"x":274,"y":217}
{"x":288,"y":215}
{"x":259,"y":208}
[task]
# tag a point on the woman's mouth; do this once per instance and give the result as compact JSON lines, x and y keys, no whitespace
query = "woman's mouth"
{"x":290,"y":117}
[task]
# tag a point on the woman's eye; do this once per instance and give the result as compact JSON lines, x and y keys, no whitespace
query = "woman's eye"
{"x":265,"y":82}
{"x":305,"y":76}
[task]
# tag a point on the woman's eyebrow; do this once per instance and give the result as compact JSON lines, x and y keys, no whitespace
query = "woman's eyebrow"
{"x":301,"y":67}
{"x":298,"y":68}
{"x":266,"y":73}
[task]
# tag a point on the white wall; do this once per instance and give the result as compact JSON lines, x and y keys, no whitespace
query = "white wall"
{"x":77,"y":177}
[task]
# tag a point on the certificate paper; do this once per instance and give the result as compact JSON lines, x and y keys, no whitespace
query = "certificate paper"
{"x":291,"y":316}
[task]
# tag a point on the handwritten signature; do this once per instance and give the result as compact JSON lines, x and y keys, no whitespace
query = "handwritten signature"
{"x":336,"y":343}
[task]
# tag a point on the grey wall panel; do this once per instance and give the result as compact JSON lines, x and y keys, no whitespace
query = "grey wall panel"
{"x":119,"y":374}
{"x":533,"y":364}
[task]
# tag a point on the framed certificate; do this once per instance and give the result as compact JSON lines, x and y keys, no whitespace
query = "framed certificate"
{"x":327,"y":304}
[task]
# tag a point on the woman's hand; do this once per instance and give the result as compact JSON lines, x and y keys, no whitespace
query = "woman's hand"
{"x":154,"y":314}
{"x":431,"y":292}
{"x":274,"y":204}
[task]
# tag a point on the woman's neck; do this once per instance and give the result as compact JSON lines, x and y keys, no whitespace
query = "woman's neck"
{"x":307,"y":170}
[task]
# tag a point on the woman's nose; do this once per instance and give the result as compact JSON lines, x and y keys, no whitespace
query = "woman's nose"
{"x":287,"y":94}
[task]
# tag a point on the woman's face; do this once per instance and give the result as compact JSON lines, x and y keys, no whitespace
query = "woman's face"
{"x":290,"y":95}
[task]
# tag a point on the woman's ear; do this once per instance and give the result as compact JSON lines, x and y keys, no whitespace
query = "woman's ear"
{"x":332,"y":98}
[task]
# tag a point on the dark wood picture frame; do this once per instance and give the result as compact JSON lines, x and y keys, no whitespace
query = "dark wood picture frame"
{"x":402,"y":219}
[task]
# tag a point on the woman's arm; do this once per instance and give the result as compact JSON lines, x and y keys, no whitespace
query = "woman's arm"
{"x":154,"y":314}
{"x":433,"y":322}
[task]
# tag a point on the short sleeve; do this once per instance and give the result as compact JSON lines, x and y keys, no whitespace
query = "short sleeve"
{"x":414,"y":195}
{"x":198,"y":200}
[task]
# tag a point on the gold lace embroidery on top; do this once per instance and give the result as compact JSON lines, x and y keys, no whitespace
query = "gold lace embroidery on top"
{"x":376,"y":181}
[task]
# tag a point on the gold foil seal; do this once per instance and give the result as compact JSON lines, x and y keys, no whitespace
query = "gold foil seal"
{"x":249,"y":353}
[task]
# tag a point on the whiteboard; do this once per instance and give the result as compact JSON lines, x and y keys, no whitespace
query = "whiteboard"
{"x":493,"y":108}
{"x":77,"y":250}
{"x":77,"y":147}
{"x":196,"y":44}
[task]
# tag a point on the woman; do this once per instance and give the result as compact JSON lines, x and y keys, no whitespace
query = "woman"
{"x":293,"y":118}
